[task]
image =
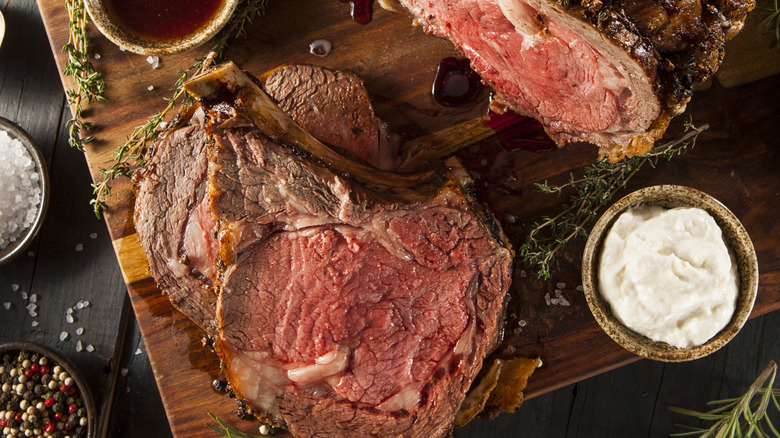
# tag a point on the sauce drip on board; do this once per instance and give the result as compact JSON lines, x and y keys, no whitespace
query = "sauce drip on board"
{"x":455,"y":83}
{"x":164,"y":20}
{"x":519,"y":132}
{"x":360,"y":10}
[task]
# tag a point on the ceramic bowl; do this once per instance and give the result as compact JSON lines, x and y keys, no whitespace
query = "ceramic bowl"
{"x":115,"y":31}
{"x":15,"y":248}
{"x":56,"y":358}
{"x":736,"y":238}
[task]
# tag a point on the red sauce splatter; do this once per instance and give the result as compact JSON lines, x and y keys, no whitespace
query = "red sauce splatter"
{"x":360,"y":10}
{"x":519,"y":132}
{"x":455,"y":83}
{"x":164,"y":19}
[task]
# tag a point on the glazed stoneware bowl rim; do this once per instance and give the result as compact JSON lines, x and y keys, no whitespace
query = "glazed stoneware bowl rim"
{"x":737,"y":239}
{"x":15,"y":248}
{"x":135,"y":43}
{"x":70,"y":367}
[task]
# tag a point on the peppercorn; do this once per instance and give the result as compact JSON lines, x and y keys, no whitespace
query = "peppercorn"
{"x":59,"y":396}
{"x":81,"y":412}
{"x":58,"y":407}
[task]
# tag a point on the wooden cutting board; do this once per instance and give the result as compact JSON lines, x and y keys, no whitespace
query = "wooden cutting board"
{"x":736,"y":161}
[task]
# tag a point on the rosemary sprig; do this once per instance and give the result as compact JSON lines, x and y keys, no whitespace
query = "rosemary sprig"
{"x":89,"y":83}
{"x":592,"y":192}
{"x":225,"y":429}
{"x":741,"y":416}
{"x":131,"y":154}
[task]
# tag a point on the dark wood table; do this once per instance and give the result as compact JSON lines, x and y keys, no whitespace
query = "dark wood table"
{"x":73,"y":260}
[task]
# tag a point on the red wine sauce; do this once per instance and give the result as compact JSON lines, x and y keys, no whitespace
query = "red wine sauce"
{"x":455,"y":83}
{"x":360,"y":10}
{"x":519,"y":132}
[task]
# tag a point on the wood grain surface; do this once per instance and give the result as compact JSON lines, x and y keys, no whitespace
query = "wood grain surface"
{"x":736,"y":161}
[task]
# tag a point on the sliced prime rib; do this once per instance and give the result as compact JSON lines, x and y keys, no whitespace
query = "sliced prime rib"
{"x":608,"y":72}
{"x":349,"y":301}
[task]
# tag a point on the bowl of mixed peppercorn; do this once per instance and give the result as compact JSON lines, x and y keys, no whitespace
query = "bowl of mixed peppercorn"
{"x":42,"y":394}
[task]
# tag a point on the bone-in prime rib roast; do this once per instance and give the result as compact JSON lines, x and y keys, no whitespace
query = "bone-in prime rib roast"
{"x":608,"y":72}
{"x":343,"y":300}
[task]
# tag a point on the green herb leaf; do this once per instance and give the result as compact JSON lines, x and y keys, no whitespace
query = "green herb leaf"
{"x":226,"y":430}
{"x":592,"y":192}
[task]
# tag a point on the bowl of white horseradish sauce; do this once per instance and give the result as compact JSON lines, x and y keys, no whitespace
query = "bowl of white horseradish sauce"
{"x":24,"y":190}
{"x":670,"y":273}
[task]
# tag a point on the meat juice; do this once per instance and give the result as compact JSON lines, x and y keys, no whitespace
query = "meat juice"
{"x":164,"y":20}
{"x":360,"y":10}
{"x":455,"y":83}
{"x":519,"y":132}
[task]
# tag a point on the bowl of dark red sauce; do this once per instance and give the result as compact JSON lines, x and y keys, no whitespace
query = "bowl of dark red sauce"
{"x":154,"y":27}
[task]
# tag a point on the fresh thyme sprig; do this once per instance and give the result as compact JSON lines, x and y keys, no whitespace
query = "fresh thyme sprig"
{"x":741,"y":416}
{"x":592,"y":192}
{"x":225,"y":429}
{"x":89,"y":83}
{"x":772,"y":22}
{"x":131,"y":154}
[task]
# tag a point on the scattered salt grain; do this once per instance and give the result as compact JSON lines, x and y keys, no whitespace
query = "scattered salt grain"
{"x":154,"y":61}
{"x":163,"y":125}
{"x":522,"y":323}
{"x":34,"y":298}
{"x":33,"y":313}
{"x":79,"y":346}
{"x":561,"y":285}
{"x":563,"y":301}
{"x":558,"y":292}
{"x":34,"y":324}
{"x":122,"y":49}
{"x":69,"y":311}
{"x":523,"y":273}
{"x":137,"y":351}
{"x":124,"y":371}
{"x":7,"y":305}
{"x":321,"y":47}
{"x":580,"y":288}
{"x":510,"y":218}
{"x":64,"y":336}
{"x":93,"y":236}
{"x":150,"y":87}
{"x":79,"y":305}
{"x":31,"y":254}
{"x":14,"y":287}
{"x":90,"y":348}
{"x":69,"y":319}
{"x":25,"y":295}
{"x":20,"y":190}
{"x":547,"y":298}
{"x":79,"y":247}
{"x":128,"y":390}
{"x":32,"y":306}
{"x":554,"y":301}
{"x":97,"y":55}
{"x":80,"y":331}
{"x":86,"y":303}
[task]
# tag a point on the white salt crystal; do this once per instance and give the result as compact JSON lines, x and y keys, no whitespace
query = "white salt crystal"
{"x":20,"y":190}
{"x":79,"y":247}
{"x":522,"y":323}
{"x":563,"y":301}
{"x":128,"y":390}
{"x":150,"y":87}
{"x":7,"y":305}
{"x":554,"y":301}
{"x":86,"y":303}
{"x":31,"y":254}
{"x":580,"y":288}
{"x":163,"y":125}
{"x":14,"y":287}
{"x":79,"y":346}
{"x":34,"y":298}
{"x":69,"y":319}
{"x":547,"y":298}
{"x":137,"y":351}
{"x":80,"y":331}
{"x":97,"y":55}
{"x":124,"y":371}
{"x":33,"y":313}
{"x":34,"y":324}
{"x":523,"y":273}
{"x":154,"y":60}
{"x":25,"y":295}
{"x":122,"y":49}
{"x":558,"y":292}
{"x":93,"y":236}
{"x":31,"y":306}
{"x":90,"y":348}
{"x":64,"y":336}
{"x":561,"y":285}
{"x":79,"y":305}
{"x":69,"y":311}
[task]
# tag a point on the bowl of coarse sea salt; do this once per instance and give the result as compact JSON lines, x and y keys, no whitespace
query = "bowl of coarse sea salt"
{"x":24,"y":190}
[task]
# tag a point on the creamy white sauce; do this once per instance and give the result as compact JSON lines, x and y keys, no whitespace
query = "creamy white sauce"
{"x":668,"y":274}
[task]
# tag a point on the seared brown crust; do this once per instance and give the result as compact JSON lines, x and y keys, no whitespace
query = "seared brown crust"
{"x":679,"y":43}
